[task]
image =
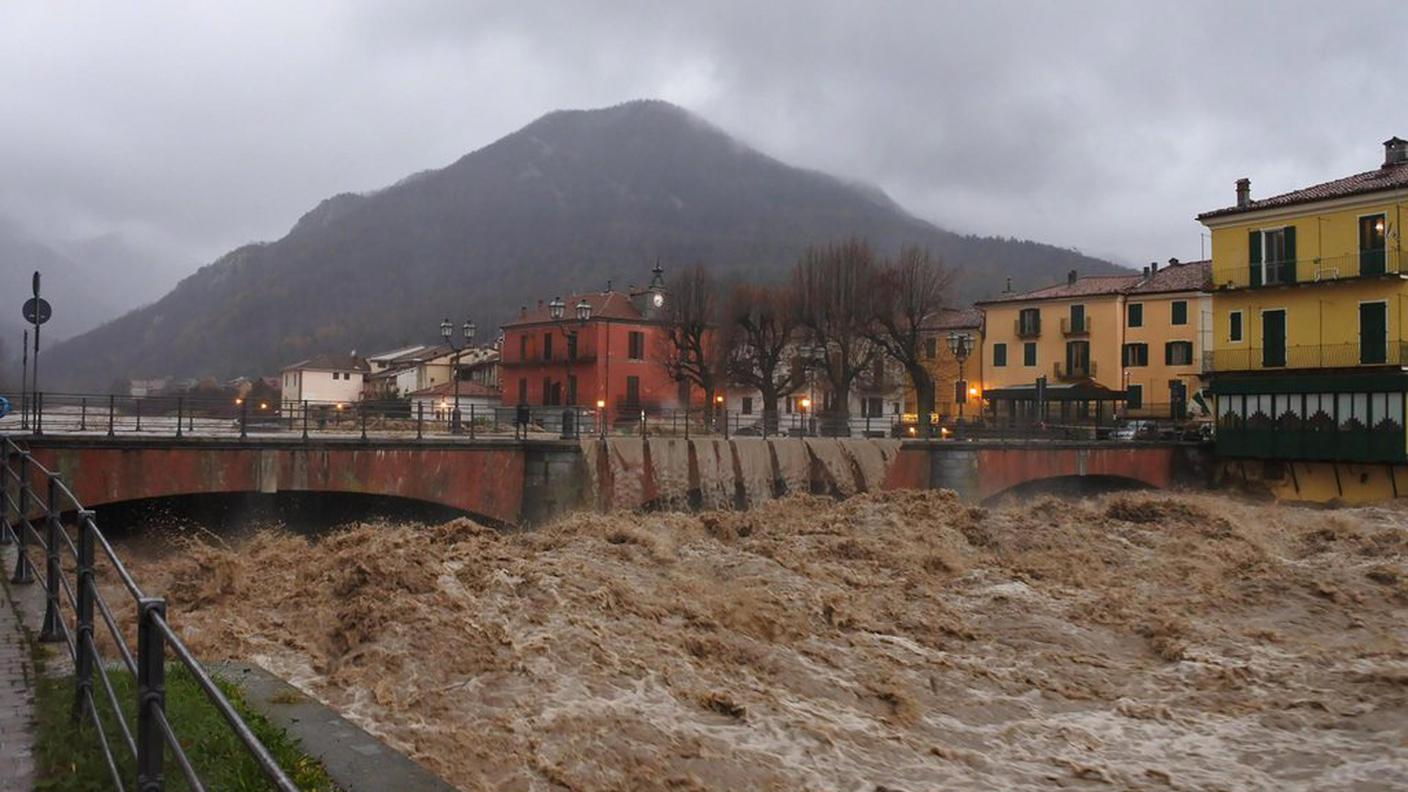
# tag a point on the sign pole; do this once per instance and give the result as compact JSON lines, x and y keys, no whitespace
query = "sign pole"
{"x":24,"y":382}
{"x":37,"y":322}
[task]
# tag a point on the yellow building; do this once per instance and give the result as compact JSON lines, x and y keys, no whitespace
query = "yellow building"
{"x":1309,"y":342}
{"x":1106,"y":346}
{"x":942,"y":333}
{"x":1167,"y":328}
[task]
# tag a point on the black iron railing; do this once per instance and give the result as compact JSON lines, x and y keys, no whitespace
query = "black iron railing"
{"x":1319,"y":269}
{"x":1310,"y":356}
{"x":73,"y":610}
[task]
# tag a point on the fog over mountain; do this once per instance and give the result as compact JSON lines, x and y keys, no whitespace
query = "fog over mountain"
{"x":571,"y":201}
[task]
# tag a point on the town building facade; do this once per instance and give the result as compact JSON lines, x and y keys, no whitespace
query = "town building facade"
{"x":602,"y":348}
{"x":323,"y":380}
{"x":1309,"y":320}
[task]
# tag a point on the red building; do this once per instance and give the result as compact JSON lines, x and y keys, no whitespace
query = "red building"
{"x":588,"y":349}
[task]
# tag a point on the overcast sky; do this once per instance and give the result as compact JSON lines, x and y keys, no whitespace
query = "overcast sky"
{"x":1099,"y":126}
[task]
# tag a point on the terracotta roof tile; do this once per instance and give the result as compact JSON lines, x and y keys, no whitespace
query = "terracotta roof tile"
{"x":468,"y":389}
{"x":1388,"y":177}
{"x":605,"y":305}
{"x":954,"y":319}
{"x":1185,"y":276}
{"x":331,"y":362}
{"x":1087,"y":286}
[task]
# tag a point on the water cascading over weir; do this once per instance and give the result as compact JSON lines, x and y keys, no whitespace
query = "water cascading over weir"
{"x":628,"y":474}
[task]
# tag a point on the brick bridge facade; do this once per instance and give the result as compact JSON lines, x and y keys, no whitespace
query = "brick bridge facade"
{"x":518,"y":483}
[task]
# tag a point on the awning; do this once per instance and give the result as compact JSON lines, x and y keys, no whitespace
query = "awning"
{"x":1085,"y":390}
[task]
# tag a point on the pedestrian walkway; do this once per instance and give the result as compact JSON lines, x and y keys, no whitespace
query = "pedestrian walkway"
{"x":16,"y":692}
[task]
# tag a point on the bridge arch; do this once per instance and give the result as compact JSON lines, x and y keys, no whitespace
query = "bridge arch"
{"x":1082,"y":485}
{"x":485,"y":480}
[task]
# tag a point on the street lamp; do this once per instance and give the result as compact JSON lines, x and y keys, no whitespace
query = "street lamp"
{"x":557,"y":309}
{"x":447,"y":332}
{"x":961,"y":346}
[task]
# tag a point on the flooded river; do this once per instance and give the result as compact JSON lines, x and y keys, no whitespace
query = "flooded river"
{"x":895,"y":641}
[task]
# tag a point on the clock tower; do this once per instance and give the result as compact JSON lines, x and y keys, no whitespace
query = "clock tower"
{"x":651,"y":300}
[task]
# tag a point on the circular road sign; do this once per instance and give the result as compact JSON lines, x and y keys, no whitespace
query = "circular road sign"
{"x":37,"y":310}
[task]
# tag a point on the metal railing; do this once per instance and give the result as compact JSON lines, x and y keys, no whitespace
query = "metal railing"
{"x":1028,"y":328}
{"x":1078,"y":371}
{"x":1312,"y":356}
{"x":21,"y":508}
{"x":1072,"y":328}
{"x":195,"y":417}
{"x":1360,"y":264}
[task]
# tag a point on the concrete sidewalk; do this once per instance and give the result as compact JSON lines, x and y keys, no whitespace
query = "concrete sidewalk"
{"x":17,"y":679}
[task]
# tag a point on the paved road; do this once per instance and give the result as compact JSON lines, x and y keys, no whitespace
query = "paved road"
{"x":16,"y":693}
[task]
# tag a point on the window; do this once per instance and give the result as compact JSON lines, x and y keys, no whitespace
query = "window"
{"x":1373,"y":332}
{"x":999,"y":355}
{"x":522,"y":391}
{"x":747,"y":405}
{"x":1136,"y":355}
{"x":1180,"y":312}
{"x":1078,"y":358}
{"x":1234,"y":327}
{"x":1134,"y":396}
{"x":1029,"y":322}
{"x":931,"y":347}
{"x":547,"y":391}
{"x":791,"y":405}
{"x":571,"y":346}
{"x":872,"y":407}
{"x":1135,"y":314}
{"x":1178,"y":353}
{"x":633,"y":386}
{"x":1077,"y":318}
{"x":636,"y":345}
{"x":547,"y":346}
{"x":1273,"y":338}
{"x":1372,"y":241}
{"x":1029,"y":354}
{"x":1272,"y":255}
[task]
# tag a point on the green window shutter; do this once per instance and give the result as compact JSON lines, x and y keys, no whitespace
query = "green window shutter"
{"x":1180,"y":312}
{"x":1290,"y":268}
{"x":1168,"y":353}
{"x":1254,"y":248}
{"x":999,"y":354}
{"x":1136,"y":314}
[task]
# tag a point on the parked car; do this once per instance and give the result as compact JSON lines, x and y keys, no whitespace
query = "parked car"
{"x":1136,"y":430}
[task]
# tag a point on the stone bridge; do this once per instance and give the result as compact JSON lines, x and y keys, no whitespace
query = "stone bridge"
{"x":514,"y":483}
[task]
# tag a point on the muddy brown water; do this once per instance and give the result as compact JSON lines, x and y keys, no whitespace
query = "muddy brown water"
{"x":899,"y":641}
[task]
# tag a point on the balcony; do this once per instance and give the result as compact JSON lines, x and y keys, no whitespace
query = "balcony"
{"x":1070,"y":328}
{"x":1029,"y":328}
{"x":1082,"y":370}
{"x":1393,"y":353}
{"x":1362,"y":264}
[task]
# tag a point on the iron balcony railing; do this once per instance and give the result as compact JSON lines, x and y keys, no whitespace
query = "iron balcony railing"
{"x":73,"y":610}
{"x":1249,"y":358}
{"x":1073,"y":372}
{"x":1075,"y":328}
{"x":1362,"y":264}
{"x":1027,"y":328}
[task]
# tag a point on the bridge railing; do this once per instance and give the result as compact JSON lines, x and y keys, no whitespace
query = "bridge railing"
{"x":75,"y":608}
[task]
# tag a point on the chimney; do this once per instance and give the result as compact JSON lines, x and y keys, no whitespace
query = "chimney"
{"x":1173,"y":262}
{"x":522,"y":311}
{"x":1146,"y":273}
{"x":1244,"y":193}
{"x":1153,"y":268}
{"x":608,"y":286}
{"x":1008,"y":288}
{"x":1071,"y":278}
{"x":1395,"y":152}
{"x":540,"y":303}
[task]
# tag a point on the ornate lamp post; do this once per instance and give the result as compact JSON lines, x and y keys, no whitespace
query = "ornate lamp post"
{"x":557,"y":309}
{"x":447,"y":332}
{"x":961,"y":346}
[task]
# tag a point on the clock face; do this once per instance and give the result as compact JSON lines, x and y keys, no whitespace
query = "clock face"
{"x":658,"y":299}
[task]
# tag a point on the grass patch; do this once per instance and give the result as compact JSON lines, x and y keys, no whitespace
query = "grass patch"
{"x":69,"y":758}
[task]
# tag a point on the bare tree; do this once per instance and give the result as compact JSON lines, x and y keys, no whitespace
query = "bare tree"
{"x":832,"y":287}
{"x":908,"y":290}
{"x":762,"y":357}
{"x":695,"y":346}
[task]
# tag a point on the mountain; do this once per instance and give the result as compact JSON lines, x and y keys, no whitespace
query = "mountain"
{"x":566,"y":203}
{"x":88,"y":281}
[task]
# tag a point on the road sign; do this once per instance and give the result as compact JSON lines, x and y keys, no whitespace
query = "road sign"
{"x":37,"y":310}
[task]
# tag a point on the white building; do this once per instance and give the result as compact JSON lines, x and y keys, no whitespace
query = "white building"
{"x":437,"y":403}
{"x":325,"y":379}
